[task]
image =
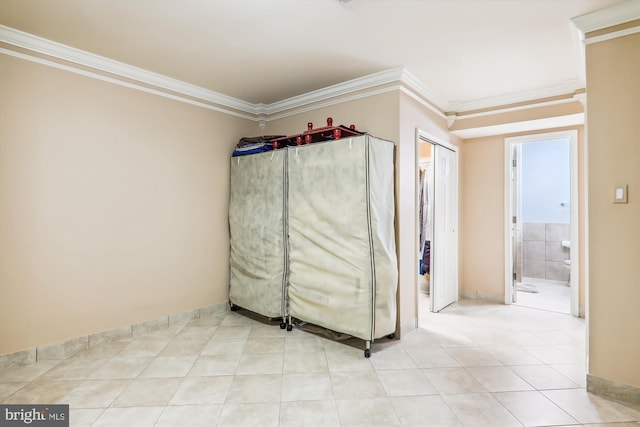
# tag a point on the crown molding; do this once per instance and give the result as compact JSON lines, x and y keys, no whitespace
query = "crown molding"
{"x":568,"y":87}
{"x":329,"y":102}
{"x":327,"y":96}
{"x":423,"y":90}
{"x":357,"y":88}
{"x":574,"y":98}
{"x":523,"y":126}
{"x":422,"y":101}
{"x":361,"y":83}
{"x":67,"y":53}
{"x":121,"y":82}
{"x":605,"y":18}
{"x":262,"y":112}
{"x":613,"y":35}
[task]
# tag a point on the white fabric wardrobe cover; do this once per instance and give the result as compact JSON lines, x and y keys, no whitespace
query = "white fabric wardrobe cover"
{"x":257,"y":232}
{"x":342,"y":255}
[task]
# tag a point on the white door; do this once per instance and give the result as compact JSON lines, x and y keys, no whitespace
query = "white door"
{"x":444,"y":244}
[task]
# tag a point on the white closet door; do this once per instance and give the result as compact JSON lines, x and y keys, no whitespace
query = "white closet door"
{"x":444,"y":245}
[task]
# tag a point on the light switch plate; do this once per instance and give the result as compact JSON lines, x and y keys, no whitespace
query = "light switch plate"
{"x":620,"y":194}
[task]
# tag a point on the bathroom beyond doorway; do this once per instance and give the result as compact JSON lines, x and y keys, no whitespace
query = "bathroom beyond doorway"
{"x":542,"y":197}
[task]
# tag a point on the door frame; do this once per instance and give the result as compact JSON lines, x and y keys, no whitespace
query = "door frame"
{"x":424,"y":137}
{"x":572,"y":135}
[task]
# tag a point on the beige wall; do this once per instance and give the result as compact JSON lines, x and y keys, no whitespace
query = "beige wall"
{"x":113,"y":205}
{"x":426,"y":151}
{"x":482,"y":220}
{"x":613,"y":107}
{"x":377,"y":115}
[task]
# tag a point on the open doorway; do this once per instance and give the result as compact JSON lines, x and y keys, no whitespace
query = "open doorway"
{"x":425,"y":223}
{"x":542,"y":222}
{"x":437,"y":225}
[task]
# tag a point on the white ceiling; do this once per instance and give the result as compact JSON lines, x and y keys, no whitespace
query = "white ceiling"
{"x":468,"y":52}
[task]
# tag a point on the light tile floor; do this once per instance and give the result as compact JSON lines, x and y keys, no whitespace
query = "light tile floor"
{"x":548,"y":295}
{"x":472,"y":364}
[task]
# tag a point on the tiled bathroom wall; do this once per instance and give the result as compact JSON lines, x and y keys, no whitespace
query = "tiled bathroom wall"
{"x":543,"y":253}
